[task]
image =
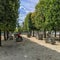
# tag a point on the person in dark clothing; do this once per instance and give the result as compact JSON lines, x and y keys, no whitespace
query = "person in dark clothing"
{"x":19,"y":37}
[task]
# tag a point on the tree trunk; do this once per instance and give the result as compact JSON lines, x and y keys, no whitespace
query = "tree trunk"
{"x":4,"y":35}
{"x":30,"y":32}
{"x":44,"y":33}
{"x":33,"y":33}
{"x":0,"y":37}
{"x":7,"y":35}
{"x":55,"y":33}
{"x":59,"y":35}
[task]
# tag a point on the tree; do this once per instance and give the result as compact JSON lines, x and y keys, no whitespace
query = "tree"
{"x":47,"y":15}
{"x":40,"y":16}
{"x":11,"y":15}
{"x":8,"y":15}
{"x":33,"y":22}
{"x":27,"y":22}
{"x":1,"y":17}
{"x":28,"y":25}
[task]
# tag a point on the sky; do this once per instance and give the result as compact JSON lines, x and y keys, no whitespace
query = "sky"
{"x":26,"y":6}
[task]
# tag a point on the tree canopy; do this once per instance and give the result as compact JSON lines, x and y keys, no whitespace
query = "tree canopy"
{"x":46,"y":15}
{"x":8,"y":14}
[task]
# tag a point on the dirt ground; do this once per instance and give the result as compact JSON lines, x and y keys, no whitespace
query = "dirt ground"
{"x":29,"y":49}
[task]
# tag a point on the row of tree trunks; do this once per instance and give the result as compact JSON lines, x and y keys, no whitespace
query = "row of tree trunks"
{"x":6,"y":35}
{"x":45,"y":35}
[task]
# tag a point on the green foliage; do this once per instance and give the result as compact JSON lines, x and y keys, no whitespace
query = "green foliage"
{"x":8,"y":14}
{"x":40,"y":15}
{"x":2,"y":12}
{"x":47,"y":14}
{"x":52,"y":15}
{"x":27,"y":22}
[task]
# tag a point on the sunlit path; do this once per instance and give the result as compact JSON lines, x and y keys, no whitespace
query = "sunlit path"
{"x":42,"y":42}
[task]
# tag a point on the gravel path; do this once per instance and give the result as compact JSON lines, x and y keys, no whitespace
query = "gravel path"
{"x":26,"y":50}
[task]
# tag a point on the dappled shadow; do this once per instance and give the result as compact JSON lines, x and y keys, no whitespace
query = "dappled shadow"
{"x":26,"y":50}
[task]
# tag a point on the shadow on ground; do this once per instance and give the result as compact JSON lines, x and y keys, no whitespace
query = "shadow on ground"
{"x":26,"y":50}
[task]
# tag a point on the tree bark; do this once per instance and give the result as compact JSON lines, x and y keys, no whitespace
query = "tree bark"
{"x":59,"y":35}
{"x":0,"y":37}
{"x":5,"y":35}
{"x":33,"y":33}
{"x":44,"y":33}
{"x":55,"y":33}
{"x":30,"y":32}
